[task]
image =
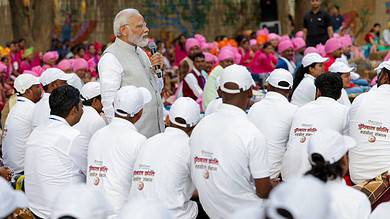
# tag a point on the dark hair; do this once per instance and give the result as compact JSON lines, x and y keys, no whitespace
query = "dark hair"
{"x":330,"y":85}
{"x":198,"y":55}
{"x":63,"y":99}
{"x":282,"y":212}
{"x":265,"y":45}
{"x":300,"y":73}
{"x":377,"y":25}
{"x":323,"y":170}
{"x":89,"y":102}
{"x":67,"y":217}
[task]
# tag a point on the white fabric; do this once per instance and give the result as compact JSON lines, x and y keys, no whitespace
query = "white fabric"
{"x":82,"y":202}
{"x":213,"y":106}
{"x":111,"y":156}
{"x":384,"y":64}
{"x":382,"y":211}
{"x":144,"y":209}
{"x":41,"y":111}
{"x":324,"y":113}
{"x":10,"y":199}
{"x":290,"y":65}
{"x":75,"y":81}
{"x":330,"y":144}
{"x":311,"y":58}
{"x":24,"y":82}
{"x":187,"y":109}
{"x":238,"y":75}
{"x":344,"y":99}
{"x":131,"y":99}
{"x":272,"y":113}
{"x":369,"y":125}
{"x":110,"y":73}
{"x":89,"y":123}
{"x":224,"y":166}
{"x":15,"y":134}
{"x":340,"y":67}
{"x":162,"y":171}
{"x":305,"y":92}
{"x":90,"y":90}
{"x":386,"y":36}
{"x":192,"y":82}
{"x":347,"y":202}
{"x":49,"y":165}
{"x":52,"y":74}
{"x":343,"y":59}
{"x":279,"y":75}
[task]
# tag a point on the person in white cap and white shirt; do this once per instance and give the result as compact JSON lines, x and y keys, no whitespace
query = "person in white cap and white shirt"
{"x":369,"y":125}
{"x":382,"y":211}
{"x":125,"y":63}
{"x":50,"y":79}
{"x":214,"y":104}
{"x":145,"y":208}
{"x":162,"y":169}
{"x":229,"y":162}
{"x":300,"y":198}
{"x":50,"y":164}
{"x":113,"y":149}
{"x":304,"y":90}
{"x":329,"y":161}
{"x":10,"y":200}
{"x":273,"y":116}
{"x":82,"y":202}
{"x":90,"y":121}
{"x":345,"y":72}
{"x":323,"y":113}
{"x":18,"y":125}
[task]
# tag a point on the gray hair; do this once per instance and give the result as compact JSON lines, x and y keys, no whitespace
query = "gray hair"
{"x":122,"y":18}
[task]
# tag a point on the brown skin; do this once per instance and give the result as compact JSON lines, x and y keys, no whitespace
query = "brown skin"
{"x":188,"y":131}
{"x":33,"y":93}
{"x":199,"y":63}
{"x":283,"y":92}
{"x":288,"y":54}
{"x":315,"y":8}
{"x":346,"y":77}
{"x":227,"y":62}
{"x":345,"y":164}
{"x":337,"y":54}
{"x":133,"y":119}
{"x":97,"y":105}
{"x":75,"y":114}
{"x":384,"y":77}
{"x":194,"y":50}
{"x":318,"y":70}
{"x":208,"y":66}
{"x":55,"y":84}
{"x":6,"y":173}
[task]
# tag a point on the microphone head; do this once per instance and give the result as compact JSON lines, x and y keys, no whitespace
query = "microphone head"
{"x":152,"y":46}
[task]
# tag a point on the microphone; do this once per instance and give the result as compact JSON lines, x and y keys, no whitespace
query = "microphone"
{"x":153,"y":49}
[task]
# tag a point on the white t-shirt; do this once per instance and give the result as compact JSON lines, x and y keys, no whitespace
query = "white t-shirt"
{"x":112,"y":153}
{"x":41,"y":111}
{"x":347,"y":202}
{"x":273,"y":116}
{"x":15,"y":134}
{"x":49,"y":166}
{"x":369,"y":125}
{"x":323,"y":113}
{"x":226,"y":156}
{"x":89,"y":123}
{"x":213,"y":106}
{"x":344,"y":99}
{"x":162,"y":171}
{"x":305,"y":92}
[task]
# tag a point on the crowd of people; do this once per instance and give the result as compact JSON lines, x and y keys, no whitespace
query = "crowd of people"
{"x":256,"y":126}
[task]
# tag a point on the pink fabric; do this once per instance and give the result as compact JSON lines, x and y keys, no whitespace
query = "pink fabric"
{"x":31,"y":73}
{"x":179,"y":54}
{"x":79,"y":64}
{"x":346,"y":41}
{"x":64,"y":65}
{"x":321,"y":50}
{"x":92,"y":67}
{"x":252,"y":42}
{"x":3,"y":67}
{"x":332,"y":45}
{"x":237,"y":58}
{"x":201,"y":39}
{"x":191,"y":42}
{"x":50,"y":55}
{"x":299,"y":34}
{"x":263,"y":31}
{"x":284,"y":45}
{"x":225,"y":53}
{"x":38,"y":70}
{"x":299,"y":43}
{"x":25,"y":65}
{"x":387,"y":57}
{"x":311,"y":50}
{"x":263,"y":63}
{"x":273,"y":36}
{"x":284,"y":37}
{"x":210,"y":57}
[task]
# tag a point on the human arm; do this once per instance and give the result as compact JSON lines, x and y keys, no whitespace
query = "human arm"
{"x":193,"y":84}
{"x":110,"y":72}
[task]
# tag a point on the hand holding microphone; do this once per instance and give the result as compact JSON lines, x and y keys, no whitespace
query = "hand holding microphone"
{"x":157,"y":59}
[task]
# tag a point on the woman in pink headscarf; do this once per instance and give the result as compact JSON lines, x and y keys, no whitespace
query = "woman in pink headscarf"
{"x":263,"y":63}
{"x":245,"y":52}
{"x":81,"y":68}
{"x":180,"y":51}
{"x":92,"y":53}
{"x":50,"y":59}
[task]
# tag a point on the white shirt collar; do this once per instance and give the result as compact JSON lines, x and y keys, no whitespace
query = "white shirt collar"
{"x":123,"y":122}
{"x":196,"y":71}
{"x":58,"y":119}
{"x":125,"y":45}
{"x":275,"y":95}
{"x":309,"y":76}
{"x":23,"y":99}
{"x":175,"y":131}
{"x":385,"y":87}
{"x":231,"y":109}
{"x":325,"y":99}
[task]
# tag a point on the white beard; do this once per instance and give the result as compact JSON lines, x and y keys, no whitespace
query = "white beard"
{"x":139,"y":41}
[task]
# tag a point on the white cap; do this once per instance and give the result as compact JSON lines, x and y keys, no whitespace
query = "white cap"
{"x":382,"y":211}
{"x":330,"y":144}
{"x":187,"y":109}
{"x":385,"y":64}
{"x":52,"y":74}
{"x":10,"y":199}
{"x":340,"y":67}
{"x":278,"y":75}
{"x":237,"y":74}
{"x":24,"y":82}
{"x":131,"y":100}
{"x":90,"y":90}
{"x":82,"y":202}
{"x":305,"y":198}
{"x":251,"y":212}
{"x":354,"y":76}
{"x":144,"y":208}
{"x":311,"y":58}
